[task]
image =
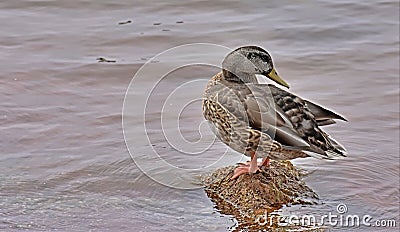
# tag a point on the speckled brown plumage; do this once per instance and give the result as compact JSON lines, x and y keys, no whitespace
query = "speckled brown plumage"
{"x":251,"y":117}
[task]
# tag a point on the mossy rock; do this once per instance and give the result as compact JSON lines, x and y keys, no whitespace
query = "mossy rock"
{"x":252,"y":195}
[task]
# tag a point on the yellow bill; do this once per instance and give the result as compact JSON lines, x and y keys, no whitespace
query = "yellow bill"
{"x":273,"y":75}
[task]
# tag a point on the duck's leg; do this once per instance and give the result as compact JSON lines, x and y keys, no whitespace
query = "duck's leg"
{"x":265,"y":162}
{"x":251,"y":167}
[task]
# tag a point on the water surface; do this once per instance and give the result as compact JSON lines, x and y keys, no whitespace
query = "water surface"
{"x":64,"y":163}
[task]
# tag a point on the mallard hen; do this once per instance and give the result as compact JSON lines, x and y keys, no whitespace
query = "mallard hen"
{"x":263,"y":120}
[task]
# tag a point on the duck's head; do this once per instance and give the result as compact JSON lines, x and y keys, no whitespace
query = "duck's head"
{"x":242,"y":65}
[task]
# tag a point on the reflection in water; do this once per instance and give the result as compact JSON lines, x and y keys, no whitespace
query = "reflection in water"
{"x":64,"y":162}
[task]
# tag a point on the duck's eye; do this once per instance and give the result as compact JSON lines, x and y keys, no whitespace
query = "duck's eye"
{"x":252,"y":56}
{"x":264,"y":57}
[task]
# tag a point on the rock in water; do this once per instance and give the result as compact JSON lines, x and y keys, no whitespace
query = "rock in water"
{"x":249,"y":197}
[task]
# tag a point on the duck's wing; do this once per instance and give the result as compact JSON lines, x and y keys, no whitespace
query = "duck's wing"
{"x":253,"y":105}
{"x":279,"y":114}
{"x":305,"y":118}
{"x":263,"y":115}
{"x":322,"y":116}
{"x":228,"y":106}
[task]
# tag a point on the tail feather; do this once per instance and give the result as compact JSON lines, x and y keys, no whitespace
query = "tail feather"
{"x":321,"y":113}
{"x":324,"y":122}
{"x":339,"y":147}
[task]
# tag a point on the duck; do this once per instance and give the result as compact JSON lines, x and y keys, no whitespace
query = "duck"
{"x":265,"y":120}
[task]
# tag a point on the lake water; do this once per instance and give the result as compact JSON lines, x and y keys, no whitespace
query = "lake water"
{"x":64,"y":161}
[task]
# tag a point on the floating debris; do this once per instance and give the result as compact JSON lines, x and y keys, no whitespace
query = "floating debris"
{"x":179,"y":21}
{"x":166,"y":30}
{"x":124,"y":22}
{"x":156,"y":24}
{"x":249,"y":197}
{"x":102,"y":59}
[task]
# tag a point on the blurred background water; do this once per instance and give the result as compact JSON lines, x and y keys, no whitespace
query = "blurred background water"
{"x":64,"y":162}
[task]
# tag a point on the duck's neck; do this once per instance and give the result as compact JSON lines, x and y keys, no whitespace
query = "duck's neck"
{"x":240,"y":77}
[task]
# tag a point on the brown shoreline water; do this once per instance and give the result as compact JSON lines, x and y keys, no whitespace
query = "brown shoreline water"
{"x":64,"y":163}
